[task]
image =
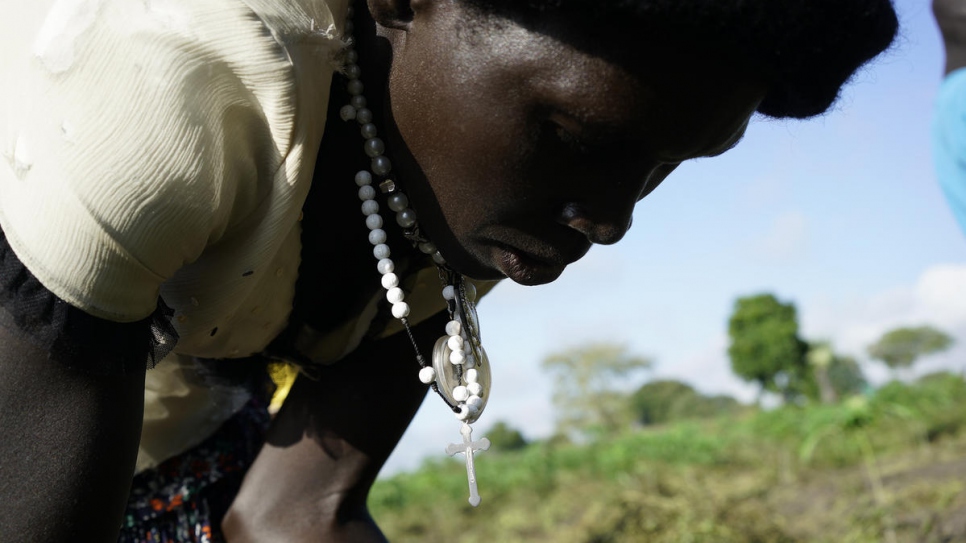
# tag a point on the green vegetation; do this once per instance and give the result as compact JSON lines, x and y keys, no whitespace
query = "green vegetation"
{"x":765,"y":345}
{"x":900,"y":348}
{"x":887,"y":467}
{"x":663,"y":401}
{"x":589,"y":388}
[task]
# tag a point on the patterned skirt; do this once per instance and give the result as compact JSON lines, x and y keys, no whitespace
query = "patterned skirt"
{"x":184,"y":499}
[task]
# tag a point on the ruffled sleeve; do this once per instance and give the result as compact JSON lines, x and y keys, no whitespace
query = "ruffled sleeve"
{"x":69,"y":334}
{"x":136,"y":135}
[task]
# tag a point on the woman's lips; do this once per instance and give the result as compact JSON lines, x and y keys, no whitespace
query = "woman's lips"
{"x":524,"y":268}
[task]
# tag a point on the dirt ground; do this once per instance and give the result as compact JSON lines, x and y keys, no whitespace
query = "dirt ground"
{"x":913,"y":498}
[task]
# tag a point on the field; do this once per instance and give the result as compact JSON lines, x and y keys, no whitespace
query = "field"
{"x":886,"y":467}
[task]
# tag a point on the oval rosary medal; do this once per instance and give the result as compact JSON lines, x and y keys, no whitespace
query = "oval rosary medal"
{"x":464,"y":384}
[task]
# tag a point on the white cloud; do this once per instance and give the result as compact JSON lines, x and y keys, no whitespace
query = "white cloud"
{"x":937,"y":298}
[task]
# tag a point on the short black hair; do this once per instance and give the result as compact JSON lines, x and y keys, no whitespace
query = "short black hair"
{"x":805,"y":50}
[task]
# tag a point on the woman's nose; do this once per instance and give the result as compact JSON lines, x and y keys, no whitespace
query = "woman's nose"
{"x":602,"y":231}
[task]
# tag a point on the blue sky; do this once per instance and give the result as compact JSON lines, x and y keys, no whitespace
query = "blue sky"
{"x":840,"y":214}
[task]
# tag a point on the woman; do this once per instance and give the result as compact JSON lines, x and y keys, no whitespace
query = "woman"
{"x":160,"y":157}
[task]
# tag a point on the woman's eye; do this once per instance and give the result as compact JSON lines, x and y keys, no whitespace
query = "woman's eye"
{"x":571,"y":140}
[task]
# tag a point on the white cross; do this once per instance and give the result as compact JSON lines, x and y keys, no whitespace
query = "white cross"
{"x":468,"y":447}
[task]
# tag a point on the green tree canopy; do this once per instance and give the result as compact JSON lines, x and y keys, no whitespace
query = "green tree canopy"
{"x":765,"y":346}
{"x":505,"y":438}
{"x":591,"y":385}
{"x":901,"y":347}
{"x":831,"y":376}
{"x":659,"y":402}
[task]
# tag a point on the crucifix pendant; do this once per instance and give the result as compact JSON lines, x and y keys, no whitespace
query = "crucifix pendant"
{"x":468,"y":447}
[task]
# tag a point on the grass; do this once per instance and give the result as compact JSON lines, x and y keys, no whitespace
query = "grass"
{"x":889,"y":467}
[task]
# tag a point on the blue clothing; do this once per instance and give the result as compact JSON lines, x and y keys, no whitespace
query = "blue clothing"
{"x":949,"y":142}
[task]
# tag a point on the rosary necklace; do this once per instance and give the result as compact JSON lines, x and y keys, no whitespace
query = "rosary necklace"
{"x":460,"y":370}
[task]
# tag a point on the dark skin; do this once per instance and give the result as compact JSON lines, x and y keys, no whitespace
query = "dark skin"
{"x":951,"y":17}
{"x":518,"y":152}
{"x":67,"y":457}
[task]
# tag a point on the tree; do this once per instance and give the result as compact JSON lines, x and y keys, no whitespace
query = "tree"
{"x":832,"y":376}
{"x":657,"y":401}
{"x":765,"y":346}
{"x":504,"y":438}
{"x":590,"y":387}
{"x":846,"y":376}
{"x":901,"y":347}
{"x":663,"y":401}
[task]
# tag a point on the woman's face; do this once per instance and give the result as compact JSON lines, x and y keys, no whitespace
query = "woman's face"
{"x":519,"y":151}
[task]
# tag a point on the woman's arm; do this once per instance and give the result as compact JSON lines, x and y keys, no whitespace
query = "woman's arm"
{"x":327,"y":444}
{"x":951,"y":17}
{"x":68,"y":444}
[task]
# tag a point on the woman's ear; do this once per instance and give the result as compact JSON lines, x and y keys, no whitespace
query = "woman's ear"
{"x":393,"y":13}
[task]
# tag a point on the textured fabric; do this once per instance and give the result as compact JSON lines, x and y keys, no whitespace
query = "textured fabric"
{"x":163,"y":147}
{"x":166,"y":147}
{"x":184,"y":499}
{"x":949,"y":142}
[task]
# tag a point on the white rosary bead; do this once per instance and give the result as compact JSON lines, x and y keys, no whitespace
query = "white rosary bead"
{"x":395,"y":295}
{"x":398,"y":202}
{"x":363,"y":178}
{"x":457,"y":357}
{"x":347,"y":113}
{"x":474,"y":401}
{"x":374,"y":221}
{"x":367,"y":192}
{"x":455,"y":343}
{"x":352,"y":71}
{"x":464,"y":413}
{"x":368,"y":131}
{"x":381,"y":165}
{"x":460,"y":394}
{"x":364,"y":116}
{"x":427,"y":375}
{"x":375,"y":147}
{"x":358,"y":101}
{"x":370,"y":207}
{"x":378,"y":236}
{"x":386,"y":266}
{"x":406,"y":218}
{"x":355,"y":87}
{"x":381,"y":251}
{"x":390,"y":280}
{"x":400,"y":310}
{"x":475,"y":389}
{"x":453,"y":328}
{"x":427,"y":248}
{"x":449,"y":293}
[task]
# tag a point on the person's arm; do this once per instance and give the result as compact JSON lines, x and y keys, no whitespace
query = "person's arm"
{"x":327,"y":444}
{"x":951,"y":17}
{"x":68,"y":444}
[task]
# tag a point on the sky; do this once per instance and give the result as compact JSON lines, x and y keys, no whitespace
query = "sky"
{"x":841,"y":215}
